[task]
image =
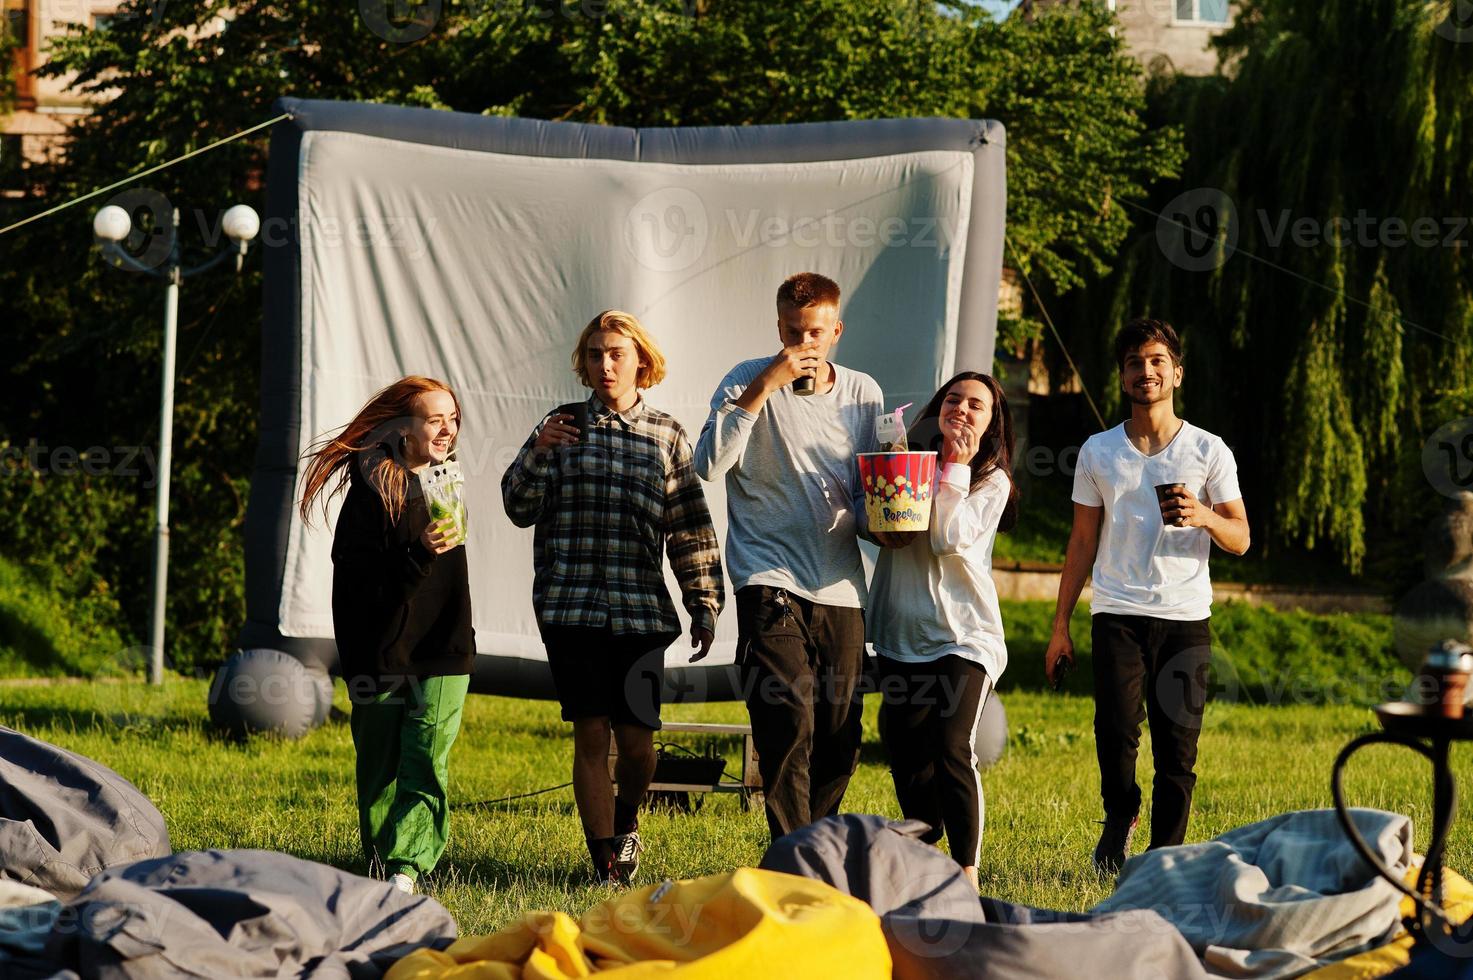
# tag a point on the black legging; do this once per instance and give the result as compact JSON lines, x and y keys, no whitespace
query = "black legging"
{"x":928,"y":720}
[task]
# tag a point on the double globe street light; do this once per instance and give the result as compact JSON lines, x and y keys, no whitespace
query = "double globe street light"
{"x":112,"y":225}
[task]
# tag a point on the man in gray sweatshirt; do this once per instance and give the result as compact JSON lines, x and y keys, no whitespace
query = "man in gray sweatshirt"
{"x":794,"y":506}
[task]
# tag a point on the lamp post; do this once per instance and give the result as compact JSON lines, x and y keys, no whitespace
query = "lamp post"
{"x":112,"y":225}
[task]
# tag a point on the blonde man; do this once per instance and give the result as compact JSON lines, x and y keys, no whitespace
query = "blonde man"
{"x":784,"y":431}
{"x":608,"y":484}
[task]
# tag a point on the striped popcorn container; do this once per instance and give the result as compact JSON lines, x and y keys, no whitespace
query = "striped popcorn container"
{"x":897,"y":490}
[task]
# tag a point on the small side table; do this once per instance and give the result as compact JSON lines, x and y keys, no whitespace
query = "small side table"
{"x":750,"y":785}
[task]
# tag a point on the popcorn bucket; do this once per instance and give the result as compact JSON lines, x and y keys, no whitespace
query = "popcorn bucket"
{"x":897,"y":490}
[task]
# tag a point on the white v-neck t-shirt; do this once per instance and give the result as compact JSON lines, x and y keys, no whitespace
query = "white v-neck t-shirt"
{"x":1143,"y":567}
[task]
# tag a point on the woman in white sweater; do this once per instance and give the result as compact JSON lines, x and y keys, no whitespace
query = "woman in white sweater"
{"x":934,"y":618}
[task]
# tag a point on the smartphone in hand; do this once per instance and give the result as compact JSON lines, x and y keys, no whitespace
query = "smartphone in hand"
{"x":579,"y":417}
{"x":1061,"y":671}
{"x":579,"y":411}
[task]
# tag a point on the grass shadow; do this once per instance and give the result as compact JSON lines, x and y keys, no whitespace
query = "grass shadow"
{"x":872,"y":752}
{"x":117,"y":719}
{"x":1077,"y":878}
{"x":25,"y":642}
{"x":100,"y":720}
{"x":489,"y":872}
{"x":529,"y":805}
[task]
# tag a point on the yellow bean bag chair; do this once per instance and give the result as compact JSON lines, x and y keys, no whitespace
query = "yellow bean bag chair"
{"x":745,"y":922}
{"x":1457,"y":899}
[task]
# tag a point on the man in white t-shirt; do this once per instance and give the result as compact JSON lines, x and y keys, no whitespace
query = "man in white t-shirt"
{"x":1151,"y":496}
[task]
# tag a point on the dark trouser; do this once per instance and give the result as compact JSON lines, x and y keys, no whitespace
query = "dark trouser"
{"x":928,"y":720}
{"x":1164,"y":662}
{"x":800,"y":665}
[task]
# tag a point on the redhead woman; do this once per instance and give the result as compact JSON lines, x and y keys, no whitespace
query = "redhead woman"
{"x":401,"y":613}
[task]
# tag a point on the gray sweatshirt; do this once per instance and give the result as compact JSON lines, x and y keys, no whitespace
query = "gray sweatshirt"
{"x":793,"y":498}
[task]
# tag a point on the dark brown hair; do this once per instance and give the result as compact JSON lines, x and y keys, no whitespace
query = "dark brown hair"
{"x":807,"y":289}
{"x":1142,"y":331}
{"x":996,"y":449}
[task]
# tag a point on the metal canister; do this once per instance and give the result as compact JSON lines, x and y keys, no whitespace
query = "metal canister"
{"x":1447,"y":669}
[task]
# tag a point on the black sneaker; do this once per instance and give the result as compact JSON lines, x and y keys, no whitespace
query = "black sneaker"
{"x":1114,"y":845}
{"x":627,"y":848}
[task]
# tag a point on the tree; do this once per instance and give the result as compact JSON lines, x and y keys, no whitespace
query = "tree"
{"x":8,"y":45}
{"x":1070,"y":97}
{"x":1336,"y":152}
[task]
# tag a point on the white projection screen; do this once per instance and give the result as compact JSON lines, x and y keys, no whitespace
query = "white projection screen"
{"x":474,"y":249}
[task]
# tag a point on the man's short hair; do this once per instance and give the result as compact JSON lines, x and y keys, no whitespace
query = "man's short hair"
{"x":1142,"y":331}
{"x":807,"y":289}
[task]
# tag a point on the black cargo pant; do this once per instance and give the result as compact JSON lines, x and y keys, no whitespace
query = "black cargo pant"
{"x":800,"y":667}
{"x":1163,"y":662}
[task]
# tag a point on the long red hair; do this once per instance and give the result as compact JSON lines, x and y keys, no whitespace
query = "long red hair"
{"x":379,"y":423}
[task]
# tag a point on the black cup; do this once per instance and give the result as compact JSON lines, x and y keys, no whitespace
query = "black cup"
{"x":1165,"y":491}
{"x":806,"y":384}
{"x":580,"y":417}
{"x":579,"y":413}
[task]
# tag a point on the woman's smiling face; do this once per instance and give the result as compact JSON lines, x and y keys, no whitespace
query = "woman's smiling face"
{"x":967,"y":403}
{"x":432,"y":431}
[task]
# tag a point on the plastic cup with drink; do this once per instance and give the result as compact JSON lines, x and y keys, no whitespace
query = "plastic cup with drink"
{"x":444,"y":490}
{"x":1169,"y":491}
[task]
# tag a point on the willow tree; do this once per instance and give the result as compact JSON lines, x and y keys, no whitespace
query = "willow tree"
{"x":1327,"y":308}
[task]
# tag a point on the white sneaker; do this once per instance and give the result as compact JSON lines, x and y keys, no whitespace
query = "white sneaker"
{"x":627,"y":848}
{"x":402,"y":882}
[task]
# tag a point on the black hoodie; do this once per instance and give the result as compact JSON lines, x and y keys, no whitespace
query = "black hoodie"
{"x":397,"y":609}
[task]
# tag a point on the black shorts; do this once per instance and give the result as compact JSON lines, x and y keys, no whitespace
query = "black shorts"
{"x":600,"y":675}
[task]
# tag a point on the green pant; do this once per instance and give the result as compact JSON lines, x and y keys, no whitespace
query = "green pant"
{"x":403,"y":741}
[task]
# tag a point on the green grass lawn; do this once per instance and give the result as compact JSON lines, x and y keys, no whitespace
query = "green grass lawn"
{"x":1042,"y":800}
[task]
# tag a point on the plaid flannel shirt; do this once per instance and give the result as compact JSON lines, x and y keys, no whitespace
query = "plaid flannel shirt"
{"x":603,"y":511}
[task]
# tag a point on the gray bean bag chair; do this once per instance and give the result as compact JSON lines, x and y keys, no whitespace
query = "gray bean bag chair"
{"x":27,"y":916}
{"x":1276,"y":898}
{"x":223,"y":914}
{"x":64,"y":817}
{"x":937,"y":927}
